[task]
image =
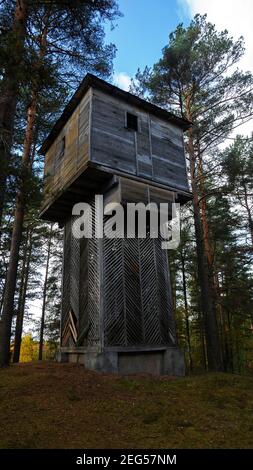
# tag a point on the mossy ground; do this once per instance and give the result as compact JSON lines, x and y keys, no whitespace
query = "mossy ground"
{"x":49,"y":405}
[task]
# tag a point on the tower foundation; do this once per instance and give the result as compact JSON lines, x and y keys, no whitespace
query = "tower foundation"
{"x":167,"y":361}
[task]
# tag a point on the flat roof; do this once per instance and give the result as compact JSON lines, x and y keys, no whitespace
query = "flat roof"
{"x":97,"y":83}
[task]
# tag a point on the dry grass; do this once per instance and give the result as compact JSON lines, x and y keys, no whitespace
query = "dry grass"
{"x":51,"y":405}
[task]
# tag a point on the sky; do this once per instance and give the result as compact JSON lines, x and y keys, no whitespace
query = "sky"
{"x":143,"y":31}
{"x":141,"y":34}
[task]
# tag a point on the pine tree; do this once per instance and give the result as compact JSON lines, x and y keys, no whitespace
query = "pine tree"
{"x":192,"y":78}
{"x":78,"y":25}
{"x":12,"y":65}
{"x":237,"y":166}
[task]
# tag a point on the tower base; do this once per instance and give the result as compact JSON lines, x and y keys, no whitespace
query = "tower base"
{"x":162,"y":361}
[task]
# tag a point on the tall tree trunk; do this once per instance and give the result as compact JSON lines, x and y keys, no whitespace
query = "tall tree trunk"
{"x":209,"y":254}
{"x":42,"y":325}
{"x":248,"y":209}
{"x":9,"y":94}
{"x":22,"y":298}
{"x":2,"y":293}
{"x":10,"y":286}
{"x":8,"y":305}
{"x":21,"y":290}
{"x":207,"y":244}
{"x":187,"y":324}
{"x":207,"y":294}
{"x":203,"y":358}
{"x":225,"y":282}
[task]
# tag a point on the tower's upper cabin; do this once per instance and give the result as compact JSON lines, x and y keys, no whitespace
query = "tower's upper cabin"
{"x":106,"y":131}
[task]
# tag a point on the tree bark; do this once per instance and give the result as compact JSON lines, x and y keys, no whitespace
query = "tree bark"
{"x":203,"y":358}
{"x":207,"y":294}
{"x":10,"y":286}
{"x":22,"y":298}
{"x":209,"y":253}
{"x":42,"y":325}
{"x":9,"y":94}
{"x":8,"y":305}
{"x":207,"y":244}
{"x":187,"y":324}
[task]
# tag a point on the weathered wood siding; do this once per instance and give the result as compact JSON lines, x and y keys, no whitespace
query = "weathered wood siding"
{"x":96,"y":132}
{"x":155,"y":152}
{"x":112,"y":144}
{"x":128,"y":190}
{"x":60,"y":170}
{"x":125,"y":298}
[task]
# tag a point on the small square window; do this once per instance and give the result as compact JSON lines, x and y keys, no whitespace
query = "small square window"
{"x":132,"y":122}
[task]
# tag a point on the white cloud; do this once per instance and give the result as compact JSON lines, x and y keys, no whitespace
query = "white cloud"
{"x":235,"y":16}
{"x":122,"y":80}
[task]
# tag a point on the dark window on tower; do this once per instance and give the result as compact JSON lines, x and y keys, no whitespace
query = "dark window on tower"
{"x":132,"y":121}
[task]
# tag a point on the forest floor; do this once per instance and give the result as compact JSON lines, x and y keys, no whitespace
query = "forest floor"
{"x":50,"y":405}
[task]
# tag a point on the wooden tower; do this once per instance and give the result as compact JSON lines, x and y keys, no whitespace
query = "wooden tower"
{"x":116,"y":295}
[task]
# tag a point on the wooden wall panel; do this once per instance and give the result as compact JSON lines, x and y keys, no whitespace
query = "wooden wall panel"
{"x":169,"y":174}
{"x":168,"y":158}
{"x":83,"y":132}
{"x":144,"y":151}
{"x":155,"y":152}
{"x":83,"y":291}
{"x":112,"y":144}
{"x":97,"y":132}
{"x":114,"y":153}
{"x":129,"y":190}
{"x":60,"y":169}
